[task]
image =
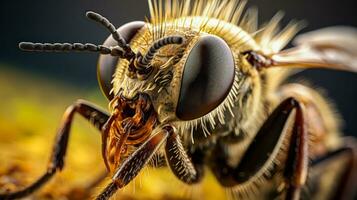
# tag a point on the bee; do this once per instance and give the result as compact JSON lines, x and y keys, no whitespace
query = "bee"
{"x":200,"y":87}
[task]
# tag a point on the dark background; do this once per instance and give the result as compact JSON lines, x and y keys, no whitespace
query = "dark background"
{"x":64,"y":21}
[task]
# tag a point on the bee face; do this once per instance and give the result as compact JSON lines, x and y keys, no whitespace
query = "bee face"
{"x":188,"y":80}
{"x":191,"y":71}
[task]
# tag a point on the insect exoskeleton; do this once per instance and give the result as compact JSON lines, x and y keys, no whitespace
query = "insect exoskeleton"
{"x":196,"y":86}
{"x":192,"y":85}
{"x":203,"y":86}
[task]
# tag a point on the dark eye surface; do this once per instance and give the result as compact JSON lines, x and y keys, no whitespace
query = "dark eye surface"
{"x":207,"y":78}
{"x":107,"y":63}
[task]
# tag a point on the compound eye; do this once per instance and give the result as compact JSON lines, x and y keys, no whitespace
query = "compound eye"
{"x":107,"y":63}
{"x":207,"y":78}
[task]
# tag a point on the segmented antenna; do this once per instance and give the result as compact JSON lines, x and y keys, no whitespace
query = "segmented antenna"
{"x":138,"y":63}
{"x":144,"y":62}
{"x":123,"y":50}
{"x":65,"y":47}
{"x":106,"y":23}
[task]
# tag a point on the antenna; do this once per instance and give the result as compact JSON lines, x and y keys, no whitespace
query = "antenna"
{"x":138,"y":63}
{"x":123,"y":50}
{"x":144,"y":62}
{"x":66,"y":47}
{"x":106,"y":23}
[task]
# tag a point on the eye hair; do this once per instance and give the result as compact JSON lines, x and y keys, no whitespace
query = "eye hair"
{"x":144,"y":62}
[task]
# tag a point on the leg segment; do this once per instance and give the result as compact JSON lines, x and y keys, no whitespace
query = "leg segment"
{"x":266,"y":146}
{"x":188,"y":169}
{"x":176,"y":156}
{"x":296,"y":166}
{"x":135,"y":162}
{"x":93,"y":114}
{"x":344,"y":175}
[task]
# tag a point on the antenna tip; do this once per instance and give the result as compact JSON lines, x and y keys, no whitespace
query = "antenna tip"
{"x":92,"y":15}
{"x":26,"y":46}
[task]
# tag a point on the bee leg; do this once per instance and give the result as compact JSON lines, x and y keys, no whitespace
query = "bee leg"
{"x":135,"y":162}
{"x":188,"y":169}
{"x":341,"y":166}
{"x":296,"y":165}
{"x":264,"y":148}
{"x":93,"y":114}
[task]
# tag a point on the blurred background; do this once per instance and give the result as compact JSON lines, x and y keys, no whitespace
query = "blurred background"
{"x":35,"y":88}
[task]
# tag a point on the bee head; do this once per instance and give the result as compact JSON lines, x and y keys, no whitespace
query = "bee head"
{"x":179,"y":77}
{"x":186,"y":77}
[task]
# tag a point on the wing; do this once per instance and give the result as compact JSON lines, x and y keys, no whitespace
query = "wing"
{"x":333,"y":48}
